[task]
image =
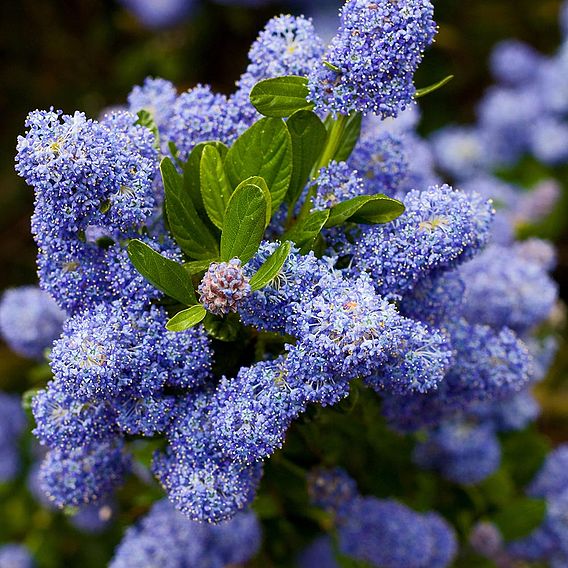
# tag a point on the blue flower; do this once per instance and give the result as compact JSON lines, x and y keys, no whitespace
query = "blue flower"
{"x":374,"y":56}
{"x":29,"y":320}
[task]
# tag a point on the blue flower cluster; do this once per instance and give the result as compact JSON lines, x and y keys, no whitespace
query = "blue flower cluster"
{"x":29,"y":320}
{"x":369,"y":65}
{"x":166,"y":538}
{"x":12,"y":424}
{"x":16,"y":556}
{"x":435,"y":311}
{"x":380,"y":532}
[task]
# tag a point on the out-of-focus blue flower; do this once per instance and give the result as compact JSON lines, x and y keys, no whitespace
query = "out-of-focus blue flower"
{"x":12,"y":424}
{"x":514,"y":62}
{"x":462,"y":452}
{"x":29,"y":320}
{"x":164,"y":537}
{"x":15,"y":556}
{"x":503,"y":289}
{"x":155,"y":14}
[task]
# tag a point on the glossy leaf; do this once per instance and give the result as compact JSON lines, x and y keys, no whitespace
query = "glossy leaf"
{"x":244,"y":223}
{"x":265,"y":150}
{"x":192,"y":171}
{"x":431,"y":88}
{"x":306,"y":230}
{"x":308,"y":135}
{"x":215,"y":188}
{"x":187,"y":319}
{"x":271,"y":267}
{"x":281,"y":96}
{"x":197,"y":266}
{"x":189,"y":231}
{"x":365,"y":209}
{"x":260,"y":182}
{"x":163,"y":273}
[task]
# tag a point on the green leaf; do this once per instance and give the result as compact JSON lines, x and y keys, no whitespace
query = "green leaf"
{"x":260,"y":182}
{"x":192,"y":172}
{"x":265,"y":150}
{"x":187,"y":318}
{"x":365,"y":209}
{"x":282,"y":96}
{"x":431,"y":88}
{"x":308,"y":135}
{"x":348,"y":138}
{"x":271,"y":267}
{"x":244,"y":223}
{"x":189,"y":231}
{"x":520,"y":518}
{"x":225,"y":328}
{"x":197,"y":266}
{"x":163,"y":273}
{"x":146,"y":119}
{"x":306,"y":230}
{"x":215,"y":188}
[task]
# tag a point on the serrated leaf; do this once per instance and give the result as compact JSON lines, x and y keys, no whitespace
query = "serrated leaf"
{"x":215,"y":188}
{"x":365,"y":209}
{"x":192,"y":174}
{"x":187,"y":319}
{"x":265,"y":150}
{"x":189,"y":231}
{"x":520,"y":518}
{"x":271,"y":267}
{"x":281,"y":96}
{"x":306,"y":230}
{"x":244,"y":223}
{"x":308,"y":135}
{"x":163,"y":273}
{"x":434,"y":87}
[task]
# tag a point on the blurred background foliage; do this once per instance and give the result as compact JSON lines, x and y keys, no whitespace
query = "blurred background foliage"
{"x":87,"y":54}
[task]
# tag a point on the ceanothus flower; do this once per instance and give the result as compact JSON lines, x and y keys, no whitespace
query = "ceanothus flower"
{"x":460,"y":151}
{"x":435,"y":299}
{"x":440,"y":228}
{"x":537,"y":251}
{"x":552,"y":479}
{"x":12,"y":424}
{"x":513,"y":413}
{"x":252,"y":411}
{"x":164,"y":537}
{"x":200,"y":480}
{"x":66,"y":423}
{"x":86,"y":172}
{"x":288,"y":45}
{"x":319,"y":553}
{"x":549,"y":141}
{"x":514,"y":62}
{"x":143,"y":415}
{"x":29,"y":320}
{"x":462,"y":452}
{"x":223,"y":287}
{"x":331,"y":489}
{"x":270,"y":308}
{"x":382,"y":162}
{"x":335,"y":183}
{"x":369,"y":65}
{"x":156,"y":14}
{"x":157,"y":96}
{"x":503,"y":289}
{"x":488,"y":365}
{"x":80,"y":476}
{"x":388,"y":534}
{"x":106,"y":350}
{"x":14,"y":555}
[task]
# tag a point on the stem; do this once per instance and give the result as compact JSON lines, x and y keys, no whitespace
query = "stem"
{"x":334,"y":137}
